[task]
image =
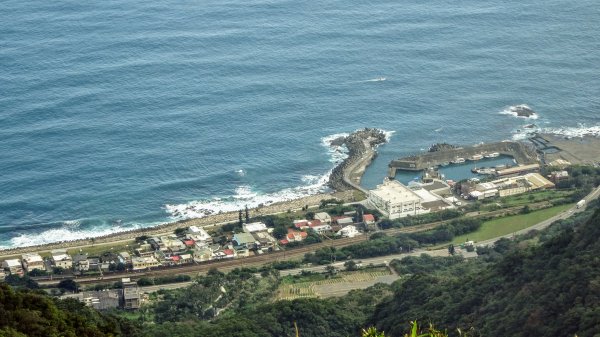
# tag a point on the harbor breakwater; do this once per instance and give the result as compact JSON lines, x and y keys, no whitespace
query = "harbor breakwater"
{"x":361,"y":146}
{"x":521,"y":152}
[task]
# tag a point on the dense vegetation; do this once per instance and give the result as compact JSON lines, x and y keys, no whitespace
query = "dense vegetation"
{"x":551,"y":289}
{"x":545,"y":284}
{"x":29,"y":313}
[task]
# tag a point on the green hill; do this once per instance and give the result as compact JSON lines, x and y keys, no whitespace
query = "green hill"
{"x":551,"y":289}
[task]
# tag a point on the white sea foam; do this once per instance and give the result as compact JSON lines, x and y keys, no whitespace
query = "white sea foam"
{"x":246,"y":195}
{"x":64,"y":233}
{"x":579,"y":131}
{"x":241,"y":173}
{"x":512,"y":111}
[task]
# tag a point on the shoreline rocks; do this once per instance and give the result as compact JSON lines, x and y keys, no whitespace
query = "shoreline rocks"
{"x":358,"y":143}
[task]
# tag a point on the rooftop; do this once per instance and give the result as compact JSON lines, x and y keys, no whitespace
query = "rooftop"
{"x":394,"y":192}
{"x":254,"y":227}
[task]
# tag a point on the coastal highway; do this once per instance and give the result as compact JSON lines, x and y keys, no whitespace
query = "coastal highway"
{"x":543,"y":224}
{"x":299,"y":252}
{"x":259,"y":260}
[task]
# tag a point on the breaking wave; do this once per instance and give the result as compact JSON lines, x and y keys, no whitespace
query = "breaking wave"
{"x":514,"y":109}
{"x":579,"y":131}
{"x":68,"y":232}
{"x":246,"y":195}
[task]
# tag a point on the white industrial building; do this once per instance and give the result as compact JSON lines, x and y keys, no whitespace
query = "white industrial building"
{"x":396,"y":200}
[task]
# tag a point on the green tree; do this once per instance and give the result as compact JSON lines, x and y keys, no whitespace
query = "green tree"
{"x":69,"y":285}
{"x":451,"y":249}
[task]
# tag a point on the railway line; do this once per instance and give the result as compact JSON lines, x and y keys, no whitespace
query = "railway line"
{"x":259,"y":260}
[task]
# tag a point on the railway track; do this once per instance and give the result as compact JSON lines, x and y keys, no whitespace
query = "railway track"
{"x":259,"y":260}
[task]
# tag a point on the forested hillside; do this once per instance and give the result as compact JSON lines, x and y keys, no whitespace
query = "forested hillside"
{"x":552,"y":289}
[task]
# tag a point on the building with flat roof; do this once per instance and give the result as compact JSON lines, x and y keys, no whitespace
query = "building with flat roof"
{"x":323,"y":217}
{"x":198,"y":234}
{"x":139,"y":263}
{"x":243,"y":240}
{"x":254,"y":227}
{"x":396,"y":200}
{"x":61,"y":259}
{"x":14,"y":266}
{"x":131,"y":295}
{"x":33,"y":261}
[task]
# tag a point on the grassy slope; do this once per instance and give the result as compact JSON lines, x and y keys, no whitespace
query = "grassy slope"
{"x":502,"y":226}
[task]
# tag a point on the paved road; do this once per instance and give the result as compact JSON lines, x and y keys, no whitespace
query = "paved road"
{"x":543,"y":224}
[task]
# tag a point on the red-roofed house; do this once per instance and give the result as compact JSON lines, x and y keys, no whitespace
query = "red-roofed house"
{"x":284,"y":242}
{"x":315,"y":223}
{"x":295,"y":236}
{"x":189,"y":242}
{"x":175,"y":258}
{"x":368,"y":219}
{"x":229,"y":253}
{"x":301,"y":224}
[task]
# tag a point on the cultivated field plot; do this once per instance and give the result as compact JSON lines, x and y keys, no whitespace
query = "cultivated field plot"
{"x":337,"y":285}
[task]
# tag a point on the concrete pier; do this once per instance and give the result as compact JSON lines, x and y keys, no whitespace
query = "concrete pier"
{"x":522,"y":153}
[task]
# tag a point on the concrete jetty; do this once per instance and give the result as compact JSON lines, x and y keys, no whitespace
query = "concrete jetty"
{"x":361,"y":146}
{"x":523,"y":153}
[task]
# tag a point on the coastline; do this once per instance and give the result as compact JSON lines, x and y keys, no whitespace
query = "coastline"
{"x":343,"y":180}
{"x":168,"y":228}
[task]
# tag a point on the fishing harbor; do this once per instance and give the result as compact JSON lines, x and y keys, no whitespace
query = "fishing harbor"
{"x":523,"y":154}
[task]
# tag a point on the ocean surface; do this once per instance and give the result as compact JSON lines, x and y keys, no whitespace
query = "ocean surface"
{"x":125,"y":114}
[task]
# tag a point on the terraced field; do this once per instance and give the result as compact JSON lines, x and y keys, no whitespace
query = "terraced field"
{"x":337,"y":285}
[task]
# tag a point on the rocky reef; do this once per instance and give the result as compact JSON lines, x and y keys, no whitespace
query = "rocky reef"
{"x":523,"y":111}
{"x":441,"y":147}
{"x":361,"y":145}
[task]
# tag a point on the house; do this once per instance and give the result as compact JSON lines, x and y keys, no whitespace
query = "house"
{"x":264,"y":241}
{"x":368,"y":219}
{"x":144,"y":250}
{"x":61,"y":259}
{"x":320,"y":229}
{"x":395,"y":200}
{"x":323,"y":217}
{"x":344,"y":221}
{"x":224,"y":254}
{"x":32,"y":261}
{"x":101,"y":300}
{"x":80,"y":262}
{"x":202,"y":253}
{"x":172,"y":244}
{"x":131,"y":295}
{"x":254,"y":227}
{"x":140,"y":263}
{"x":243,"y":241}
{"x":14,"y":266}
{"x":301,"y":224}
{"x":349,"y":231}
{"x":94,"y":263}
{"x":558,"y":176}
{"x":295,"y":236}
{"x":126,"y":257}
{"x":198,"y":234}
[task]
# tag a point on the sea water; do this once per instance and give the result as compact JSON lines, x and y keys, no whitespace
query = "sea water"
{"x":124,"y":114}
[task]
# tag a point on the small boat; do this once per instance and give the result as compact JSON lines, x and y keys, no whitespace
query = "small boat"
{"x":476,"y":157}
{"x":492,"y":155}
{"x":458,"y":160}
{"x":445,"y":163}
{"x":484,"y":170}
